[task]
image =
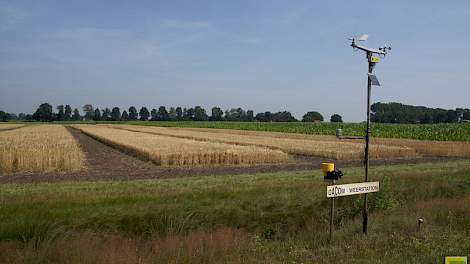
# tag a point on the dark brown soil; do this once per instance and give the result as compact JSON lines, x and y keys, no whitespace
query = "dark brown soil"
{"x":107,"y":163}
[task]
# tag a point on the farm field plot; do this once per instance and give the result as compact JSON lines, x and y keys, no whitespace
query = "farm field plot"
{"x":299,"y":146}
{"x":170,"y":151}
{"x":39,"y":149}
{"x":425,"y":147}
{"x":9,"y":126}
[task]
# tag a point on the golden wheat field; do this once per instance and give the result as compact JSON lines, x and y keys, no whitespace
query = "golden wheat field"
{"x":168,"y":151}
{"x":425,"y":147}
{"x":299,"y":146}
{"x":39,"y":149}
{"x":9,"y":126}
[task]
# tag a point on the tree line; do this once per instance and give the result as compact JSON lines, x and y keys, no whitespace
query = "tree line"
{"x":45,"y":113}
{"x":409,"y":114}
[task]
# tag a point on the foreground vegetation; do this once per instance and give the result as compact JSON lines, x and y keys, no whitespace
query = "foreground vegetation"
{"x":39,"y":149}
{"x":268,"y":218}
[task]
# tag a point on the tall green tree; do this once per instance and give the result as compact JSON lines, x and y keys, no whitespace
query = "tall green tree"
{"x":250,"y":116}
{"x":133,"y":115}
{"x":179,"y":113}
{"x":124,"y":116}
{"x":60,"y":113}
{"x":200,"y":114}
{"x":153,"y":115}
{"x":162,"y":114}
{"x":188,"y":114}
{"x":3,"y":116}
{"x":97,"y":115}
{"x":116,"y":114}
{"x":216,"y":114}
{"x":106,"y":114}
{"x":235,"y":114}
{"x":335,"y":118}
{"x":88,"y":110}
{"x":284,"y":116}
{"x":312,"y":117}
{"x":144,"y":114}
{"x":264,"y":117}
{"x":172,"y":114}
{"x":76,"y":115}
{"x":44,"y":113}
{"x":68,"y":112}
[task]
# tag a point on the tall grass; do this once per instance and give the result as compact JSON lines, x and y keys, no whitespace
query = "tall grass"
{"x":263,"y":218}
{"x":300,"y":146}
{"x":170,"y":151}
{"x":39,"y":149}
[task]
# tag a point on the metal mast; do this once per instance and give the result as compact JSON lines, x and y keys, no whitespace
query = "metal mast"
{"x":371,"y":80}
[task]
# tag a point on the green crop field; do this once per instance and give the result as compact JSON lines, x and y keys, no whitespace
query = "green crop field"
{"x":441,"y":132}
{"x":438,"y":132}
{"x":262,"y":218}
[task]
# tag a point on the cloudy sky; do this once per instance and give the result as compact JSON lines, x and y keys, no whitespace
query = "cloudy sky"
{"x":259,"y":55}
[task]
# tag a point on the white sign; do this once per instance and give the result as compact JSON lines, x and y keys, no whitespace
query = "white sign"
{"x":351,"y":189}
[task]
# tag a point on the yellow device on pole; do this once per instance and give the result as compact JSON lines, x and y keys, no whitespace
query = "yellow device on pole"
{"x":327,"y":167}
{"x":374,"y":59}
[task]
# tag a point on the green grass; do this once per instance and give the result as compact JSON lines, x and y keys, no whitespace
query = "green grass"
{"x":277,"y":218}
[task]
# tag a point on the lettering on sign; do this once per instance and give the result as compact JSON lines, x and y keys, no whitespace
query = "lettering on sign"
{"x":352,"y":188}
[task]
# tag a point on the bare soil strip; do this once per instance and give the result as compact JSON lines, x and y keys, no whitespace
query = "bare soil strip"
{"x":107,"y":163}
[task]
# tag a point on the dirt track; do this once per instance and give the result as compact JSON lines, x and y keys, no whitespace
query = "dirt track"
{"x":107,"y":163}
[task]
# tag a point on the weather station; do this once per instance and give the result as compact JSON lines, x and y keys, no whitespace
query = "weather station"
{"x":333,"y":174}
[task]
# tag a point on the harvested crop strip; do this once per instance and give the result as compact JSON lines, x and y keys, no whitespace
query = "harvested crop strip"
{"x":430,"y":147}
{"x":425,"y":147}
{"x":9,"y":126}
{"x":170,"y":151}
{"x":323,"y":148}
{"x":39,"y":149}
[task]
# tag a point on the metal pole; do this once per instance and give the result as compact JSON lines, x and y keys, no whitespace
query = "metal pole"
{"x":366,"y":154}
{"x":332,"y":215}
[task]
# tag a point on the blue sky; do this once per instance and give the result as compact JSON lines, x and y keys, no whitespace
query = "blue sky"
{"x":259,"y":55}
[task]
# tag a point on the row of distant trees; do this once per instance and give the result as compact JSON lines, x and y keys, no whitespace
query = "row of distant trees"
{"x":409,"y":114}
{"x":45,"y":112}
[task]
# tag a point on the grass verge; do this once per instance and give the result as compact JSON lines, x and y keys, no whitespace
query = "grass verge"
{"x":274,"y":217}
